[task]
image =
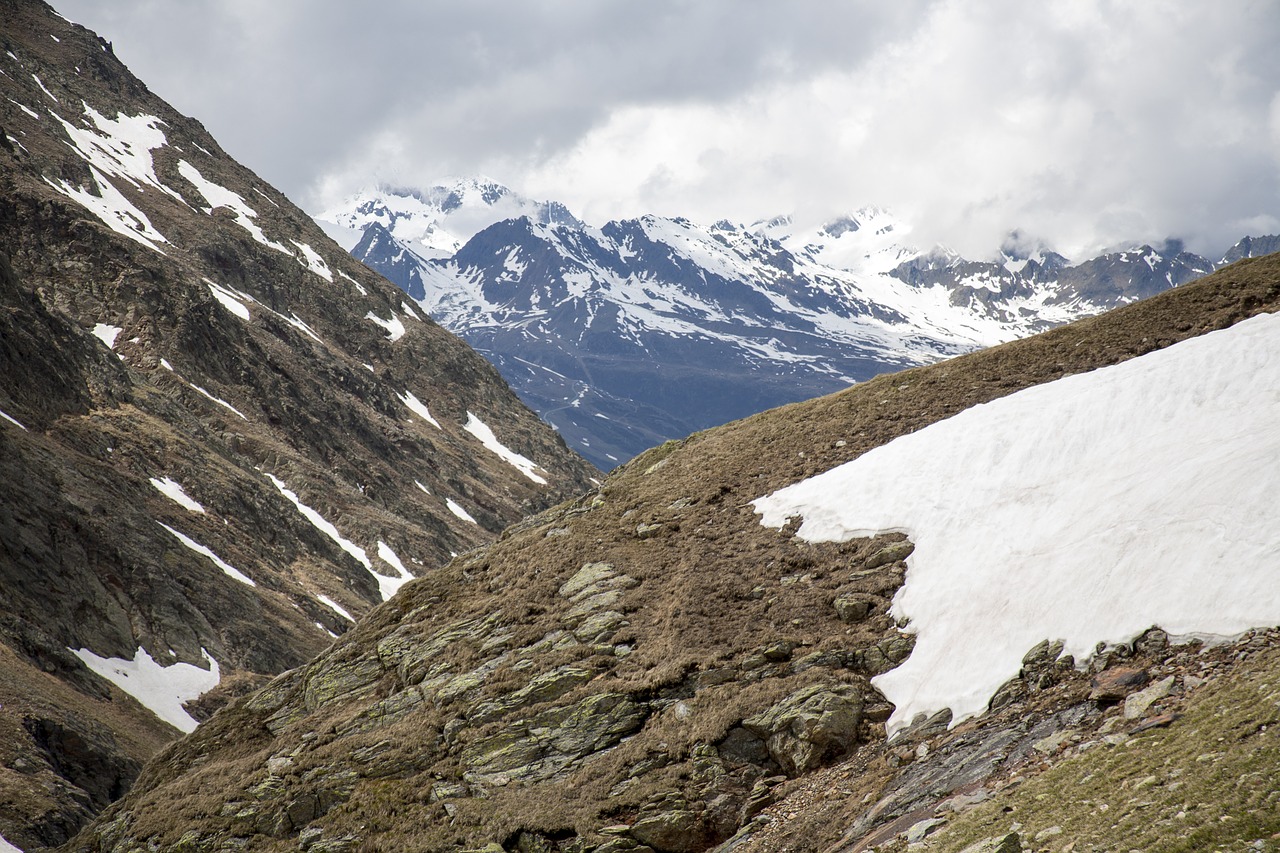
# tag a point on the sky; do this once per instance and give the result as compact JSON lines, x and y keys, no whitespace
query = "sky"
{"x":1083,"y":124}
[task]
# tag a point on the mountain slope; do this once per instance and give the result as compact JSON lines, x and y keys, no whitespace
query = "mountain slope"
{"x":221,"y":439}
{"x":647,"y":329}
{"x":650,"y":667}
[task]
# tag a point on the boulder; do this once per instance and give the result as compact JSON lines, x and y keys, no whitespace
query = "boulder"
{"x":810,"y":726}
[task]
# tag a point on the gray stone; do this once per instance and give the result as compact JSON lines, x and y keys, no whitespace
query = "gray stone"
{"x":1137,"y":704}
{"x":1010,"y":843}
{"x":675,"y":831}
{"x":919,"y":831}
{"x":810,"y":726}
{"x":853,"y":608}
{"x":890,"y":554}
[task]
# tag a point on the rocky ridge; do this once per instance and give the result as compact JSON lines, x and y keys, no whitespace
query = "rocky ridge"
{"x":647,"y":668}
{"x":222,"y":440}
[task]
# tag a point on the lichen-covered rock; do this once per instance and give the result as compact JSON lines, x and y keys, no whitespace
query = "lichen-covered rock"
{"x":810,"y":726}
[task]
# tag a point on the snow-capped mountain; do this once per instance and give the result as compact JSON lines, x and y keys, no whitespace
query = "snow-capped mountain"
{"x":643,"y":330}
{"x":437,"y":221}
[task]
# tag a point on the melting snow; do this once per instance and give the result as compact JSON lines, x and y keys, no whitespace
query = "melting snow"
{"x":219,"y":196}
{"x":335,"y":607}
{"x":415,"y":482}
{"x":311,"y":260}
{"x":408,"y":309}
{"x":229,"y":571}
{"x":217,"y":400}
{"x":20,"y":426}
{"x":395,"y":328}
{"x":229,"y":299}
{"x":120,"y":147}
{"x":25,"y":109}
{"x":456,"y":509}
{"x":174,"y":492}
{"x":107,"y":334}
{"x":160,"y":689}
{"x":388,"y":586}
{"x":115,"y":211}
{"x":7,"y":847}
{"x":419,"y":408}
{"x":318,"y":521}
{"x":44,"y":89}
{"x":523,"y":464}
{"x":1086,"y":510}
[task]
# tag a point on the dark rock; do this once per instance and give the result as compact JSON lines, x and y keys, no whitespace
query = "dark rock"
{"x":1112,"y":685}
{"x":810,"y":727}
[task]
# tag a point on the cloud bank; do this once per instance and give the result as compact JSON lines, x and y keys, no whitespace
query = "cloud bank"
{"x":1083,"y":123}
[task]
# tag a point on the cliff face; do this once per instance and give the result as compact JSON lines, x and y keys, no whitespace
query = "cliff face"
{"x":222,"y":439}
{"x":649,"y":668}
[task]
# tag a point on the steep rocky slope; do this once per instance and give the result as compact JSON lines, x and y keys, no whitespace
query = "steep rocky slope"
{"x":647,"y":667}
{"x":221,"y":439}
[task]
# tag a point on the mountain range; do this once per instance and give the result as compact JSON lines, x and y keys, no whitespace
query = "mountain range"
{"x":648,"y":329}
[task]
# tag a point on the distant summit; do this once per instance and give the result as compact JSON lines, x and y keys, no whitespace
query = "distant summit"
{"x":642,"y":330}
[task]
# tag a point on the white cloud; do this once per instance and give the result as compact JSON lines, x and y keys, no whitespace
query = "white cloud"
{"x":1085,"y":122}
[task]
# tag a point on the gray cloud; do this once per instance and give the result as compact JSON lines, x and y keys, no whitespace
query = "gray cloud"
{"x":1085,"y":123}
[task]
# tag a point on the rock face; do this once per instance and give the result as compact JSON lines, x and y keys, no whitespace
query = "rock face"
{"x":221,"y":438}
{"x":578,"y":686}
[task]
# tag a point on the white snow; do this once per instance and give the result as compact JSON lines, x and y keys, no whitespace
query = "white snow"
{"x":318,"y":521}
{"x":394,"y":327}
{"x":229,"y":299}
{"x":24,"y":108}
{"x":107,"y":333}
{"x":419,"y":408}
{"x":14,"y":421}
{"x":359,"y":287}
{"x":120,"y":147}
{"x":160,"y":689}
{"x":335,"y":607}
{"x":415,"y":482}
{"x":173,"y":490}
{"x":484,"y":434}
{"x":229,"y":571}
{"x":1084,"y":510}
{"x":388,"y":586}
{"x":217,"y":400}
{"x":115,"y":211}
{"x":45,"y":89}
{"x":219,"y":196}
{"x":408,"y":309}
{"x":456,"y":509}
{"x":311,"y":260}
{"x":8,"y":847}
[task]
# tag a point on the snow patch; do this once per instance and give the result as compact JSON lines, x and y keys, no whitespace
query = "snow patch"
{"x":115,"y":211}
{"x":107,"y":333}
{"x":388,"y":586}
{"x":14,"y":421}
{"x":218,"y":400}
{"x":8,"y":847}
{"x":1084,"y":510}
{"x":228,"y":570}
{"x":319,"y":523}
{"x":162,"y":690}
{"x":456,"y":509}
{"x":311,"y":260}
{"x":229,"y":299}
{"x":484,"y":434}
{"x":394,"y":327}
{"x":335,"y":607}
{"x":173,"y":490}
{"x":217,"y":195}
{"x":419,"y":408}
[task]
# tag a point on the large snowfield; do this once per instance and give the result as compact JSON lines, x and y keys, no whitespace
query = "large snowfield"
{"x":1084,"y":510}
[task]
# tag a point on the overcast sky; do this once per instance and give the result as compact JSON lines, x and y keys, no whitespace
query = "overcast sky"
{"x":1082,"y":122}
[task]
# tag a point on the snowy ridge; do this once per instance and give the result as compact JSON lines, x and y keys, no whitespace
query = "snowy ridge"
{"x":1084,"y":510}
{"x":791,"y":311}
